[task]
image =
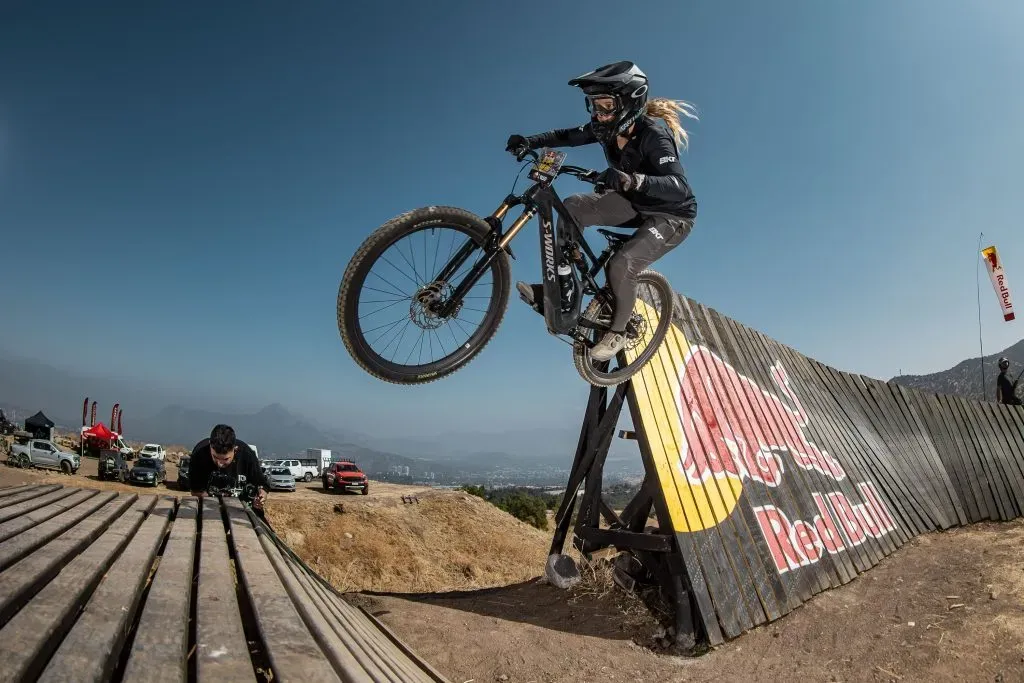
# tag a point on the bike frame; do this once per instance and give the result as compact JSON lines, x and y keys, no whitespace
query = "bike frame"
{"x":539,"y":199}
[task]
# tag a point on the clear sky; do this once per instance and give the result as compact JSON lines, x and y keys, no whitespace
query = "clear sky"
{"x":183,"y":183}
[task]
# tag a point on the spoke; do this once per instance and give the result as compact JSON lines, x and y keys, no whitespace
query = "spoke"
{"x":400,"y":338}
{"x":365,"y":332}
{"x":387,"y":282}
{"x":400,"y":301}
{"x":390,"y":326}
{"x":415,"y":282}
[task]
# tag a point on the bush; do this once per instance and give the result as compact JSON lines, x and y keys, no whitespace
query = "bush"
{"x":521,"y":504}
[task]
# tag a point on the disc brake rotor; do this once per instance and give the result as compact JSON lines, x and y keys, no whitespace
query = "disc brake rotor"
{"x":426,"y":302}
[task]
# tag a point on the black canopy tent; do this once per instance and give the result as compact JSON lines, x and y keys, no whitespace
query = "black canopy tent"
{"x":39,"y":426}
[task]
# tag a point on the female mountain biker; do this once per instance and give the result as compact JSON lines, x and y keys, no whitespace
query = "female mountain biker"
{"x":647,"y":188}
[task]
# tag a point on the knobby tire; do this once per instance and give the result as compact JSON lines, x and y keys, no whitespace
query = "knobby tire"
{"x":362,"y":263}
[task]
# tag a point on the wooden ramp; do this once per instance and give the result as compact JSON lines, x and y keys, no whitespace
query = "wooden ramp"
{"x":99,"y":586}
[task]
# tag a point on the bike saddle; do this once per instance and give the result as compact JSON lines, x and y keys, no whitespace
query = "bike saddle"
{"x":613,"y":236}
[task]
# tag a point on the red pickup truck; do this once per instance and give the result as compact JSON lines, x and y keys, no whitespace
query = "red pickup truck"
{"x":345,"y":476}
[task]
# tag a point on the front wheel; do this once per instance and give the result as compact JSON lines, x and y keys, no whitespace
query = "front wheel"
{"x":646,"y":330}
{"x":411,"y":250}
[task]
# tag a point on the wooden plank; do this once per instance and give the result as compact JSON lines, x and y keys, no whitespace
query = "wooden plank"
{"x":901,"y":494}
{"x":24,"y":493}
{"x":222,"y":653}
{"x":997,"y":476}
{"x":91,"y":649}
{"x":345,"y":655}
{"x":669,"y":495}
{"x":28,"y":639}
{"x":6,"y":491}
{"x":859,"y":459}
{"x":766,"y":428}
{"x":885,"y":417}
{"x":828,"y":429}
{"x":695,"y":509}
{"x":1012,"y":437}
{"x":1004,"y":464}
{"x":990,"y":481}
{"x":656,"y":421}
{"x":32,"y":518}
{"x":741,"y":546}
{"x":877,"y":458}
{"x":805,"y":421}
{"x":359,"y":633}
{"x":960,"y":440}
{"x":22,"y":504}
{"x":945,"y":497}
{"x":290,"y":647}
{"x":13,"y":549}
{"x":930,"y":413}
{"x":778,"y":593}
{"x":28,"y":576}
{"x":160,"y":649}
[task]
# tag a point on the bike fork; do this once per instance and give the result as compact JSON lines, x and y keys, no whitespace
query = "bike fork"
{"x":491,"y":249}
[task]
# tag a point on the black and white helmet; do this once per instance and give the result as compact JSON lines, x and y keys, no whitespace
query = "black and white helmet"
{"x":626,"y":84}
{"x":1004,"y":363}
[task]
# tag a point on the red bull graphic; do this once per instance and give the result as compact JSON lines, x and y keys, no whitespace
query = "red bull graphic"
{"x":733,"y":427}
{"x":995,"y":272}
{"x":113,"y":415}
{"x":92,"y":415}
{"x":838,"y":525}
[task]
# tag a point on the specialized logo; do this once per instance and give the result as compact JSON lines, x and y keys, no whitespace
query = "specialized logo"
{"x":711,"y":430}
{"x":549,"y":249}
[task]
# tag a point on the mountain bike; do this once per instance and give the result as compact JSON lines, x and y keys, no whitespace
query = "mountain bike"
{"x":458,"y":270}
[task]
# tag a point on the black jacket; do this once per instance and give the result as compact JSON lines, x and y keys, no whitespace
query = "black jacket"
{"x":201,"y":467}
{"x":1006,"y":391}
{"x":651,"y":151}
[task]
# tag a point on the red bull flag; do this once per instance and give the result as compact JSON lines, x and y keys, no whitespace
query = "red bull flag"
{"x":995,"y":272}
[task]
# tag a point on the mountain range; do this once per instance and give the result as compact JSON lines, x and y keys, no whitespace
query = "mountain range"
{"x":965,"y":378}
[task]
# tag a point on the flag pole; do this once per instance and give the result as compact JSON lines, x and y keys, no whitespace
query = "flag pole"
{"x":977,"y":281}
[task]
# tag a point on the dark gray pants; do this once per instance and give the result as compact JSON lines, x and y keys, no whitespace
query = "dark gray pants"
{"x":656,"y":235}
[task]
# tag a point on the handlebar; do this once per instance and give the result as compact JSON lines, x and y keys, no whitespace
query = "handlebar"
{"x":585,"y":174}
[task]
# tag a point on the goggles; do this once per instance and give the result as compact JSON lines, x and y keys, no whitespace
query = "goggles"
{"x":603,"y":105}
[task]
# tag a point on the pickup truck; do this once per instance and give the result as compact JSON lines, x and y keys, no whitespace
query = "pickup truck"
{"x":345,"y":476}
{"x":43,"y":453}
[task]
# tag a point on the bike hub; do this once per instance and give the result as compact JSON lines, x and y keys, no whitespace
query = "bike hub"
{"x":427,"y":304}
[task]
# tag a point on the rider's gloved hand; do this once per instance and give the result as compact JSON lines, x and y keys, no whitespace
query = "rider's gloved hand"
{"x":517,"y":144}
{"x":619,"y":181}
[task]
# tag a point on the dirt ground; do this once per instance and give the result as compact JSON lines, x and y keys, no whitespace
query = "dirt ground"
{"x":946,"y":607}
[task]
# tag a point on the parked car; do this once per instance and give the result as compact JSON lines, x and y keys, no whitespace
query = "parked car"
{"x":153,"y":450}
{"x":183,"y":482}
{"x":148,"y":471}
{"x":303,"y":469}
{"x":112,"y":466}
{"x":345,"y":476}
{"x":280,"y":479}
{"x":43,"y":453}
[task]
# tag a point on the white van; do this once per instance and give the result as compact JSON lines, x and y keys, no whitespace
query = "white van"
{"x":303,"y":469}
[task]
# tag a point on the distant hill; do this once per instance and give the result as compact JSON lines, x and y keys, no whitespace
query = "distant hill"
{"x":964,"y":378}
{"x":157,"y":415}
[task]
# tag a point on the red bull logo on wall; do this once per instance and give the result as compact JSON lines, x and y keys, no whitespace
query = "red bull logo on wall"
{"x":711,"y":430}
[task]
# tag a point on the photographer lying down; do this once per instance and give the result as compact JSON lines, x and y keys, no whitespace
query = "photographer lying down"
{"x":224,"y":465}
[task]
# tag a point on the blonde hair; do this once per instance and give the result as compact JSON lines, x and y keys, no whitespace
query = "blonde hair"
{"x":669,"y":111}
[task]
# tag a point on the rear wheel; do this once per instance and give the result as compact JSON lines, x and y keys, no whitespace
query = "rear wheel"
{"x":410,"y":251}
{"x":646,"y":330}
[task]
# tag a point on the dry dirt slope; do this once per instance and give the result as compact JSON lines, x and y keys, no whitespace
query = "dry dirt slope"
{"x":446,"y":541}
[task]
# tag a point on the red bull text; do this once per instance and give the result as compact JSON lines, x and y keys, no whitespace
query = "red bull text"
{"x":734,"y":429}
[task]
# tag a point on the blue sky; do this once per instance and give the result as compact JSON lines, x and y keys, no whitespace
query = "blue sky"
{"x":194,"y":177}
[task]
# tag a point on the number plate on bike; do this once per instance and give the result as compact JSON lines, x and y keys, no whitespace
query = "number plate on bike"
{"x":546,"y":168}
